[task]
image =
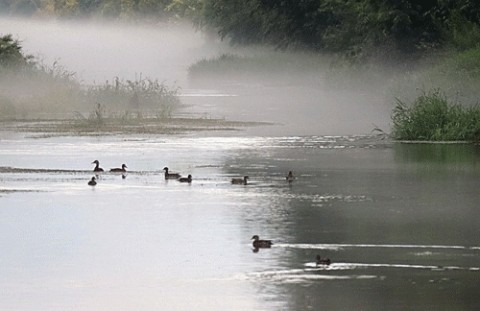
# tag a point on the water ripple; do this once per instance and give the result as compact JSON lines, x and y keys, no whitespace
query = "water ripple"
{"x":343,"y":246}
{"x":330,"y":142}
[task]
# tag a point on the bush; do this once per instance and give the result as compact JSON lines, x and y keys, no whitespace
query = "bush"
{"x":32,"y":88}
{"x":140,"y":96}
{"x":11,"y":54}
{"x":431,"y":117}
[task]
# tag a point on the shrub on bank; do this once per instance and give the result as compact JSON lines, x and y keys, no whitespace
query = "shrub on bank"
{"x":431,"y":117}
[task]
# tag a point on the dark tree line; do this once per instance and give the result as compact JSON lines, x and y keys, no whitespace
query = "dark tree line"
{"x":12,"y":56}
{"x":354,"y":27}
{"x":115,"y":9}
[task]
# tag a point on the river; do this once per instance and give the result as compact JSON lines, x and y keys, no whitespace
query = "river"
{"x":398,"y":221}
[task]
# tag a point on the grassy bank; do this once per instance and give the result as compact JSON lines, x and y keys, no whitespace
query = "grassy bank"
{"x":260,"y":64}
{"x":113,"y":126}
{"x":450,"y":110}
{"x":30,"y":89}
{"x":31,"y":95}
{"x":432,"y":117}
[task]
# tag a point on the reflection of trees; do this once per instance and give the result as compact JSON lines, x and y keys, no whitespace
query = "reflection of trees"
{"x":360,"y":196}
{"x":443,"y":154}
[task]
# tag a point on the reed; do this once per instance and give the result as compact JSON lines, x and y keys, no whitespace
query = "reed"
{"x":431,"y":117}
{"x":135,"y":97}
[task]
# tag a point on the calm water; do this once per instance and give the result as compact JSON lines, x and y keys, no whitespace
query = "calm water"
{"x":399,"y":222}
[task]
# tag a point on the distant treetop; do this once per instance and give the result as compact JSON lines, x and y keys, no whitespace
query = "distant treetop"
{"x":353,"y":27}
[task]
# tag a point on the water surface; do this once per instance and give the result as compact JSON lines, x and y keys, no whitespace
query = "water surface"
{"x":399,"y":222}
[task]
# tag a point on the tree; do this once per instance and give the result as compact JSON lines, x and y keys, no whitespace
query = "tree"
{"x":11,"y":56}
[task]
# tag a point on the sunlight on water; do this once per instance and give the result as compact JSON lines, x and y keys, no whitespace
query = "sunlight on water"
{"x":136,"y":241}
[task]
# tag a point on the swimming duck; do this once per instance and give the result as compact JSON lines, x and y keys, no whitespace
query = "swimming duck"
{"x":170,"y":175}
{"x":117,"y":169}
{"x":257,"y":243}
{"x":323,"y":261}
{"x":186,"y":179}
{"x":240,"y":181}
{"x":92,"y":181}
{"x":97,"y":166}
{"x":290,"y":177}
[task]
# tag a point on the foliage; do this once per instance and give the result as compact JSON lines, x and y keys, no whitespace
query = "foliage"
{"x":11,"y":55}
{"x":357,"y":28}
{"x":190,"y":9}
{"x":457,"y":74}
{"x":124,"y":9}
{"x":466,"y":63}
{"x":142,"y":95}
{"x":347,"y":26}
{"x":97,"y":116}
{"x":262,"y":64}
{"x":432,"y":118}
{"x":30,"y":87}
{"x":463,"y":33}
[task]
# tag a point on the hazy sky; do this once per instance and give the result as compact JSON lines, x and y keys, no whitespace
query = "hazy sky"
{"x":101,"y":52}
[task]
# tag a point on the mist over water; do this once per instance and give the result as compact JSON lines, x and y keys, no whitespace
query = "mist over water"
{"x":399,"y":221}
{"x":297,"y":103}
{"x":400,"y":227}
{"x":98,"y":51}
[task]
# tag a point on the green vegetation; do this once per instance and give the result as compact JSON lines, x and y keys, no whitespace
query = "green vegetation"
{"x":11,"y":56}
{"x":259,"y":63}
{"x":110,"y":9}
{"x":112,"y":125}
{"x":34,"y":90}
{"x":437,"y":42}
{"x":432,"y":118}
{"x":355,"y":28}
{"x":140,"y":97}
{"x":49,"y":100}
{"x":358,"y":28}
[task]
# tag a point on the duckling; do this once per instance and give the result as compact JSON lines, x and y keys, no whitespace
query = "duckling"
{"x":92,"y":181}
{"x":117,"y":169}
{"x":97,"y":166}
{"x":240,"y":181}
{"x":185,"y":179}
{"x":257,"y":243}
{"x":170,"y":175}
{"x":290,"y":177}
{"x":323,"y":261}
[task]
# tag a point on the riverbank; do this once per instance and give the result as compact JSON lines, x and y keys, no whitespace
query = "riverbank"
{"x":120,"y":126}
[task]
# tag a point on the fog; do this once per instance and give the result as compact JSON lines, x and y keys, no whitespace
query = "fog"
{"x":101,"y":51}
{"x":297,"y":103}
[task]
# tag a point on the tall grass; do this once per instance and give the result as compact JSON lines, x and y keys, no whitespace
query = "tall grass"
{"x":54,"y":92}
{"x":134,"y":98}
{"x":432,"y":117}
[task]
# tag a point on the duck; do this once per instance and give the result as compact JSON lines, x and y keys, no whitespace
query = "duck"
{"x":185,"y":179}
{"x":117,"y":169}
{"x":257,"y":243}
{"x":240,"y":181}
{"x":92,"y":181}
{"x":170,"y":175}
{"x":97,"y":166}
{"x":323,"y":261}
{"x":290,"y":177}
